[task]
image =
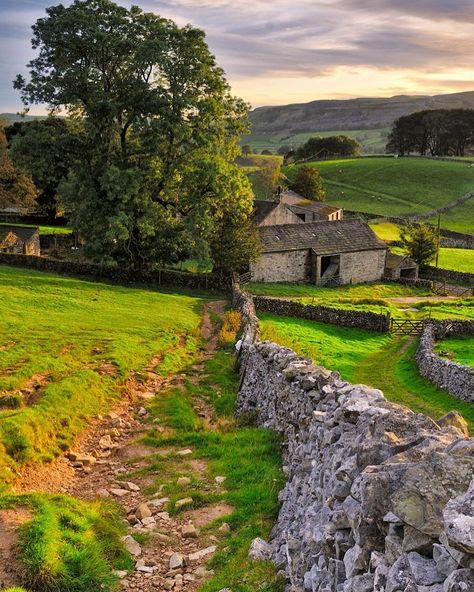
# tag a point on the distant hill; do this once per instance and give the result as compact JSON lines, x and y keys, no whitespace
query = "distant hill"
{"x":352,"y":114}
{"x":12,"y":117}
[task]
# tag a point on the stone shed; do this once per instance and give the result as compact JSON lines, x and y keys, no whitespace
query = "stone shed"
{"x":324,"y":253}
{"x":308,"y":210}
{"x":400,"y":267}
{"x":272,"y":213}
{"x":19,"y":240}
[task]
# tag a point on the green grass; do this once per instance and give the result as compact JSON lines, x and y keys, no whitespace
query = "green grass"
{"x":323,"y":295}
{"x":372,"y":141}
{"x":393,"y":369}
{"x":43,"y":229}
{"x":393,"y":186}
{"x":78,"y":341}
{"x":387,"y":231}
{"x":248,"y":457}
{"x":382,"y":361}
{"x":457,"y":259}
{"x":459,"y":349}
{"x":333,"y":347}
{"x":69,"y":545}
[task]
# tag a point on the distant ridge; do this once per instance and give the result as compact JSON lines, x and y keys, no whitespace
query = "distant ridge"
{"x":12,"y":117}
{"x":350,"y":114}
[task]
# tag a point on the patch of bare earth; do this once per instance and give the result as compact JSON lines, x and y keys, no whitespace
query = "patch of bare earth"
{"x":174,"y":554}
{"x":10,"y":569}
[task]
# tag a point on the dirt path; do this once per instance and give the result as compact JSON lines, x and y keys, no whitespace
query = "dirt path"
{"x":172,"y":551}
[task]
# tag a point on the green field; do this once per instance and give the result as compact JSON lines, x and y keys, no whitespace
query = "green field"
{"x":372,"y":141}
{"x":459,"y":349}
{"x":378,"y":298}
{"x":394,"y":186}
{"x":381,"y":361}
{"x":42,"y":229}
{"x":66,"y":348}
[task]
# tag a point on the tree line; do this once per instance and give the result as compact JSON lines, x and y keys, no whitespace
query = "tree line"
{"x":439,"y":132}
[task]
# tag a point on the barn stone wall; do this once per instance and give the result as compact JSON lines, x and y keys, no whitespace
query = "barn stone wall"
{"x":362,"y":266}
{"x":377,"y":499}
{"x":288,"y":266}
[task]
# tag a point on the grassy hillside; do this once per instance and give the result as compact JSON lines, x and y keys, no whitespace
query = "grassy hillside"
{"x":397,"y":186}
{"x":66,"y":349}
{"x":361,"y":113}
{"x":373,"y":141}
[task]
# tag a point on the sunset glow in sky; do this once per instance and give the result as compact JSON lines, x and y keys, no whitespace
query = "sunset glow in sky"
{"x":282,"y":51}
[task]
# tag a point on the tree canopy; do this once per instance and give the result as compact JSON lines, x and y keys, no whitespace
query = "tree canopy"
{"x":17,"y":190}
{"x":155,"y":177}
{"x":47,"y":149}
{"x":420,"y":242}
{"x":331,"y":146}
{"x":308,"y":183}
{"x":438,"y":132}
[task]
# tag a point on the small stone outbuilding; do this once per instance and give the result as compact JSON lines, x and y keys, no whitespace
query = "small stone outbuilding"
{"x":272,"y":213}
{"x":400,"y":267}
{"x":324,"y":253}
{"x":308,"y":210}
{"x":18,"y":240}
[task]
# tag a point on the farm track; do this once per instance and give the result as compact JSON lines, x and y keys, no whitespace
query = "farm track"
{"x":114,"y":441}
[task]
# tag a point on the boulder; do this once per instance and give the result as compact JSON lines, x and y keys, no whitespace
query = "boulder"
{"x":132,"y":546}
{"x":461,"y":580}
{"x":143,"y":511}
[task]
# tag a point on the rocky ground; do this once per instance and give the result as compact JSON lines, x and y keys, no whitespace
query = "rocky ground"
{"x":170,"y":551}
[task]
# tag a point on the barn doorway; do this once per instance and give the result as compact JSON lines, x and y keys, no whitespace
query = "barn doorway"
{"x":329,"y":269}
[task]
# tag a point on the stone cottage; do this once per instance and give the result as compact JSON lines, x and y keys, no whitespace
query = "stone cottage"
{"x":400,"y":267}
{"x":19,"y":241}
{"x":324,"y":253}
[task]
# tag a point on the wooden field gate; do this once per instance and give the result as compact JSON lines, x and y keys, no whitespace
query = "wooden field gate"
{"x":406,"y":327}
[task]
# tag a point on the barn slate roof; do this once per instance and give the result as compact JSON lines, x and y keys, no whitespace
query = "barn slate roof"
{"x":24,"y":233}
{"x":300,"y":204}
{"x":324,"y":237}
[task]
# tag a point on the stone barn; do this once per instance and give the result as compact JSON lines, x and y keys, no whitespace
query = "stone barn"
{"x":324,"y":253}
{"x":19,"y":241}
{"x":400,"y":267}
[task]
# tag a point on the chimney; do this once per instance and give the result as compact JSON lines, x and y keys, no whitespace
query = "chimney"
{"x":279,"y":193}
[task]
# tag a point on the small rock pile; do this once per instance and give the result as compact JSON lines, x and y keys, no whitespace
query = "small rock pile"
{"x":378,"y":498}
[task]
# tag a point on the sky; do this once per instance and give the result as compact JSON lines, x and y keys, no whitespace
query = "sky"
{"x":276,"y":52}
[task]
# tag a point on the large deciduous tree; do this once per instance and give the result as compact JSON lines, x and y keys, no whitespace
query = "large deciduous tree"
{"x":156,"y":178}
{"x":17,"y":190}
{"x":47,"y":149}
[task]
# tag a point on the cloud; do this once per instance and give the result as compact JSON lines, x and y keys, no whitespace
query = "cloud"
{"x":259,"y":40}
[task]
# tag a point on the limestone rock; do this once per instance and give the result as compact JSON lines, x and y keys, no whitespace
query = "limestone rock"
{"x":455,"y":419}
{"x":176,"y":561}
{"x":132,"y":546}
{"x":459,"y":521}
{"x":186,"y":501}
{"x":143,"y":511}
{"x":424,"y":570}
{"x":189,"y":531}
{"x":260,"y":550}
{"x":198,"y":555}
{"x":118,"y":492}
{"x":183,"y":481}
{"x":461,"y":580}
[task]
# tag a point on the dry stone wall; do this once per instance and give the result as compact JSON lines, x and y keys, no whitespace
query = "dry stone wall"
{"x":377,"y":499}
{"x":334,"y":316}
{"x":456,"y":378}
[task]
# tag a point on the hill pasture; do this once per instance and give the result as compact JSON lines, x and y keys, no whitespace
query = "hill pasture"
{"x":68,"y":348}
{"x":389,"y":186}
